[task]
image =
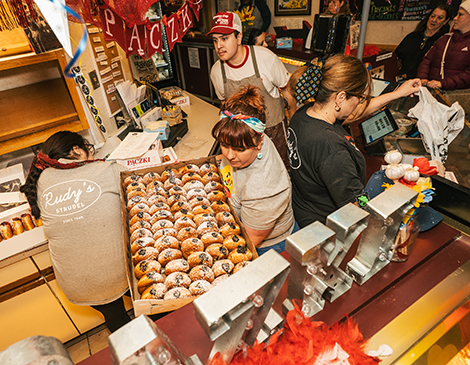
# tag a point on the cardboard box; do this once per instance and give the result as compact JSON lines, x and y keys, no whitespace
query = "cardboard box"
{"x":151,"y":116}
{"x":148,"y":159}
{"x":285,"y":43}
{"x":154,"y":306}
{"x":181,"y":101}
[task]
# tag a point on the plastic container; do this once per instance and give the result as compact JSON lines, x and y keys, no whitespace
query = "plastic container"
{"x":406,"y":238}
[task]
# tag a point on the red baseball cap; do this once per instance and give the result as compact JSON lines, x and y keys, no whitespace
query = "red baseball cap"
{"x":226,"y":22}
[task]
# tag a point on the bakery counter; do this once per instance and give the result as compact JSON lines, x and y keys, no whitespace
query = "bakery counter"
{"x":439,"y":268}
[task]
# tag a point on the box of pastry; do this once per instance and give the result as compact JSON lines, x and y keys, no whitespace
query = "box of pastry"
{"x":181,"y":234}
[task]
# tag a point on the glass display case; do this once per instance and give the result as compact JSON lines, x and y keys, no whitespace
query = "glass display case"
{"x":158,"y":70}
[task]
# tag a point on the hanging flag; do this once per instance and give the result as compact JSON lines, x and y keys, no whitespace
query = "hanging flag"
{"x":135,"y":40}
{"x":56,"y":17}
{"x":113,"y":27}
{"x":172,"y":30}
{"x":184,"y":18}
{"x":153,"y":38}
{"x":196,"y":5}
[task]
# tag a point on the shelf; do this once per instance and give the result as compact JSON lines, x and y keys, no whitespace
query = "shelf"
{"x":26,"y":59}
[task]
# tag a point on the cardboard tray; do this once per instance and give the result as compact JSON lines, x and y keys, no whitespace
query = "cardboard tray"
{"x":154,"y":306}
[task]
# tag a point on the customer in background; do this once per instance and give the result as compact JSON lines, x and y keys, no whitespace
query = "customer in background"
{"x":254,"y":37}
{"x":415,"y":45}
{"x":78,"y":200}
{"x":338,"y":7}
{"x":240,"y":65}
{"x":447,"y":64}
{"x":256,"y":180}
{"x":327,"y":169}
{"x":260,"y":10}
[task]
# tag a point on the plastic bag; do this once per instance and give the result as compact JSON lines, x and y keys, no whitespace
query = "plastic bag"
{"x":438,"y":124}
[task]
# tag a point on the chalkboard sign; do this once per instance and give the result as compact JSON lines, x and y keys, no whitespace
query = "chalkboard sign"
{"x":394,"y":9}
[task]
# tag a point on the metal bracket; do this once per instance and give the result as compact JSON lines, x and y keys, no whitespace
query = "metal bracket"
{"x":386,"y":213}
{"x":316,"y":252}
{"x":233,"y":313}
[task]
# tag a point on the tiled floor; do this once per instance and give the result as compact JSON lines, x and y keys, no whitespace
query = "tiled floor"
{"x":88,"y":344}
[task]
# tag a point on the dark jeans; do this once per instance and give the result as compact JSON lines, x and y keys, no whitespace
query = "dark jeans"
{"x":115,"y":314}
{"x":279,"y":247}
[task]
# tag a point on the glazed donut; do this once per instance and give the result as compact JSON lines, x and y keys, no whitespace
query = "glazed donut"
{"x":154,"y":291}
{"x":206,"y":227}
{"x":166,"y":242}
{"x":224,"y":218}
{"x":162,"y":191}
{"x":202,"y":272}
{"x":190,"y":246}
{"x":176,"y":198}
{"x":170,"y":172}
{"x":27,"y":221}
{"x":183,"y":223}
{"x":219,"y":279}
{"x":154,"y":187}
{"x":16,"y":226}
{"x":142,"y":242}
{"x":132,"y":178}
{"x":171,"y":182}
{"x":222,"y":267}
{"x":162,"y":214}
{"x":180,"y":205}
{"x":200,"y":258}
{"x":217,"y":251}
{"x":155,"y":207}
{"x":148,"y":279}
{"x":5,"y":230}
{"x":184,"y":213}
{"x":169,"y":254}
{"x":141,"y":207}
{"x":190,"y":176}
{"x":177,"y":279}
{"x":216,"y":195}
{"x":198,"y":219}
{"x":232,"y":242}
{"x":134,"y":186}
{"x":210,"y":238}
{"x":138,"y":225}
{"x":177,"y":293}
{"x":240,"y":266}
{"x":156,"y":198}
{"x":229,"y":229}
{"x":140,"y":216}
{"x":211,"y":176}
{"x":240,"y":254}
{"x":206,"y":168}
{"x":185,"y":233}
{"x":162,"y":223}
{"x":219,"y":206}
{"x":146,"y":266}
{"x":203,"y":209}
{"x":188,"y":168}
{"x":199,"y":200}
{"x":151,"y":177}
{"x":213,"y":186}
{"x":193,"y":184}
{"x":177,"y":190}
{"x":131,"y":203}
{"x":145,"y":253}
{"x":165,"y":232}
{"x":141,"y":232}
{"x":199,"y":287}
{"x":137,"y":192}
{"x":196,"y":193}
{"x":180,"y":265}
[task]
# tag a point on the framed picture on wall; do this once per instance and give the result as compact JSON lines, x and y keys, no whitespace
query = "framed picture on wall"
{"x":292,"y":7}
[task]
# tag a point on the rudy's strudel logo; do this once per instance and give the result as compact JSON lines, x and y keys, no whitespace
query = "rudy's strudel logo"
{"x":70,"y":197}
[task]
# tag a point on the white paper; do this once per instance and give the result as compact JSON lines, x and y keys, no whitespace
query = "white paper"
{"x":134,"y":145}
{"x":56,"y":16}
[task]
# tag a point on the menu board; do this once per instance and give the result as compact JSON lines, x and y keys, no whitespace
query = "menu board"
{"x":393,"y":9}
{"x":109,"y":65}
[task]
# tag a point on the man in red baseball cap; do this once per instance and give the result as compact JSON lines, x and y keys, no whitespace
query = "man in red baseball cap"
{"x":240,"y":65}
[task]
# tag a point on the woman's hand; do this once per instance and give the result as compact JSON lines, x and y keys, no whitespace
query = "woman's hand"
{"x":424,"y":82}
{"x":257,"y":236}
{"x":409,"y":87}
{"x":434,"y":84}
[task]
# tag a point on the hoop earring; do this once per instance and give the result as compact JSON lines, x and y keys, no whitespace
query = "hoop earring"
{"x":337,"y":108}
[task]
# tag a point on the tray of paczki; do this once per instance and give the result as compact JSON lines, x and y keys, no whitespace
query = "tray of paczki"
{"x":182,"y":236}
